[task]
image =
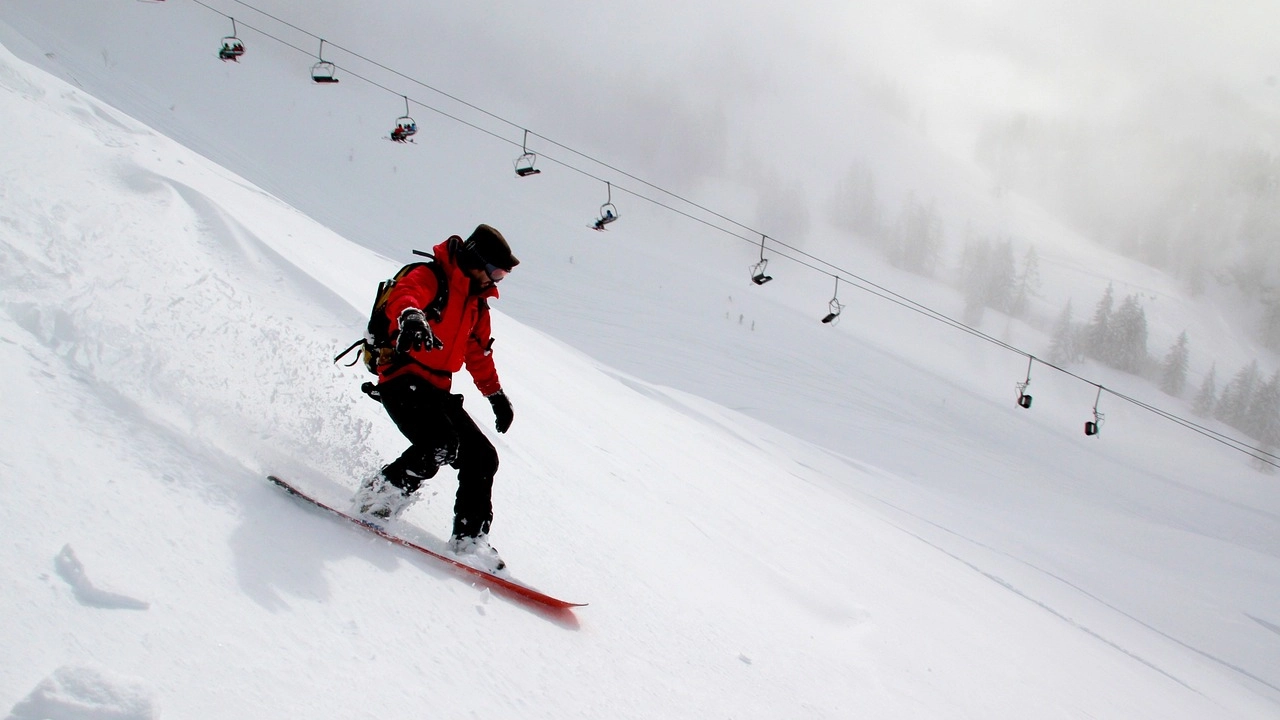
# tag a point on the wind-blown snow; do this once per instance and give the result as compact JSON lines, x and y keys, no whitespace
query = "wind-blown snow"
{"x":165,"y":341}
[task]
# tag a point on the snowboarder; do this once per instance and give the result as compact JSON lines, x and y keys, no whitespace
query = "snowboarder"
{"x":414,"y":387}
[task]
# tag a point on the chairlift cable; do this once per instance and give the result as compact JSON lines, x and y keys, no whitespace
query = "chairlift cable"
{"x":795,"y":254}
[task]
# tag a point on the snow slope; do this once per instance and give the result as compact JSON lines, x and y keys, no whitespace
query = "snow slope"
{"x":166,"y":340}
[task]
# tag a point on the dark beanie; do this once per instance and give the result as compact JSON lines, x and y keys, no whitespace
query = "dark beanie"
{"x":489,"y":244}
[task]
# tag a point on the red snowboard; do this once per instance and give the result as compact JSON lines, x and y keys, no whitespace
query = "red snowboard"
{"x":499,"y":584}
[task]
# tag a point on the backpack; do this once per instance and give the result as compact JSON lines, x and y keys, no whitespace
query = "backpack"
{"x":378,"y":346}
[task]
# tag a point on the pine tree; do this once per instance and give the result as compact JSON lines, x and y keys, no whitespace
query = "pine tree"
{"x":1028,"y":283}
{"x":972,"y":262}
{"x":1097,"y":334}
{"x":1270,"y":330}
{"x":1064,"y":349}
{"x":856,"y":206}
{"x":917,"y":238}
{"x":1233,"y":406}
{"x":987,"y":276}
{"x":1207,"y":397}
{"x":1127,"y":345}
{"x":1173,"y":372}
{"x":1262,"y":419}
{"x":1001,"y":276}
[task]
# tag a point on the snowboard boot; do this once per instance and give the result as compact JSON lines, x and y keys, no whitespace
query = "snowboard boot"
{"x":382,"y":499}
{"x":475,"y":550}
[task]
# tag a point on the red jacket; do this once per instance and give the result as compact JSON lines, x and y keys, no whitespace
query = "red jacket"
{"x":463,"y":326}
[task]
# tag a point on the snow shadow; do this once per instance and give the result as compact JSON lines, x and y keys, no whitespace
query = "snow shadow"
{"x":72,"y":571}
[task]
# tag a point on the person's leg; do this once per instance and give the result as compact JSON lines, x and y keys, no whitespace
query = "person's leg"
{"x":477,"y":463}
{"x":423,"y":413}
{"x":420,"y":411}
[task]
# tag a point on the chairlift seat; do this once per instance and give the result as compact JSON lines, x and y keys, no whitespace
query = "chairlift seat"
{"x":407,"y":125}
{"x":323,"y":72}
{"x":758,"y":275}
{"x":834,"y":309}
{"x":231,"y":48}
{"x":608,"y":213}
{"x":524,"y":165}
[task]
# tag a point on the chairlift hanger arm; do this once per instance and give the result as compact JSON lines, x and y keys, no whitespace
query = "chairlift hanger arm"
{"x":524,"y":164}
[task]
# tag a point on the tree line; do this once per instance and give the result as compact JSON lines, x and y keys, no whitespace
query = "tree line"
{"x":990,"y":276}
{"x":1117,"y":337}
{"x":1203,"y":208}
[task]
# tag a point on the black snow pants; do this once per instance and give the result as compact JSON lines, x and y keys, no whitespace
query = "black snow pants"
{"x":441,"y":433}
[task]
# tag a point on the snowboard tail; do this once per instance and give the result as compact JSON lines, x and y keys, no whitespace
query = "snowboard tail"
{"x":499,"y":584}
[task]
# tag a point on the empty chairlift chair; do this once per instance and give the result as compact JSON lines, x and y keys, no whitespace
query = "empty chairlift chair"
{"x":758,"y":275}
{"x":323,"y":71}
{"x":525,"y":163}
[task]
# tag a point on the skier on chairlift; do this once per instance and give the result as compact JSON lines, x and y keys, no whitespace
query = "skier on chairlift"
{"x":605,"y":218}
{"x":231,"y":51}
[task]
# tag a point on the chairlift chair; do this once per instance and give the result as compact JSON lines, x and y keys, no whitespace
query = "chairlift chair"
{"x":1091,"y":427}
{"x":608,"y":213}
{"x":406,"y":127}
{"x":324,"y":71}
{"x":758,"y":275}
{"x":834,"y":307}
{"x":232,"y":47}
{"x":1024,"y":400}
{"x":524,"y":163}
{"x":833,"y":311}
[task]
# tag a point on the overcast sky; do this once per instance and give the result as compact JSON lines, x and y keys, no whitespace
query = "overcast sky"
{"x":784,"y":96}
{"x":781,"y":98}
{"x":952,"y":61}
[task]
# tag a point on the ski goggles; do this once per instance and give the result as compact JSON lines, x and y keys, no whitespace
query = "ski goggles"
{"x":494,"y":272}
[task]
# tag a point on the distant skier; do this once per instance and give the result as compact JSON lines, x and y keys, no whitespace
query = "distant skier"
{"x":414,"y":387}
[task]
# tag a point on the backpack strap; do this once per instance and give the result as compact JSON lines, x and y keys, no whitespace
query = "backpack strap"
{"x":377,"y":340}
{"x":350,"y":347}
{"x":435,"y":309}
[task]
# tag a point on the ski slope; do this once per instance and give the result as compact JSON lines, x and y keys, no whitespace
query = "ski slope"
{"x":913,"y":545}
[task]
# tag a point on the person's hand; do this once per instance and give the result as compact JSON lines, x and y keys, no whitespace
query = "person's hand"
{"x":415,"y":333}
{"x":502,"y":412}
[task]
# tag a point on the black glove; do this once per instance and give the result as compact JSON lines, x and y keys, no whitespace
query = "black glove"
{"x":415,"y":333}
{"x":502,"y":413}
